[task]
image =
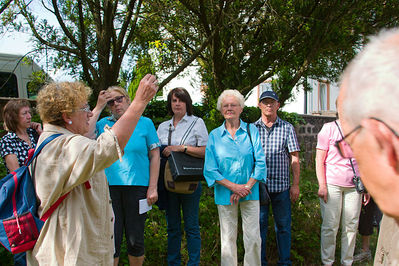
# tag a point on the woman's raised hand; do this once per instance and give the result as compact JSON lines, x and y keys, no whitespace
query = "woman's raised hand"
{"x":103,"y":98}
{"x":148,"y":87}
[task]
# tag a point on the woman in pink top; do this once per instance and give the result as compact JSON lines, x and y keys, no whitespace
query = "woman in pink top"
{"x":339,"y":200}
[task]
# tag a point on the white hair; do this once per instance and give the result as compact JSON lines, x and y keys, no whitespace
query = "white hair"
{"x":371,"y":80}
{"x":227,"y":93}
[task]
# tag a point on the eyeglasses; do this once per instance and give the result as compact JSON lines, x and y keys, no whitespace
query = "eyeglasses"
{"x":117,"y":99}
{"x":225,"y":106}
{"x":86,"y":109}
{"x":344,"y":148}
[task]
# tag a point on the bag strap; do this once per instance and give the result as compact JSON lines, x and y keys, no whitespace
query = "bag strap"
{"x":342,"y":135}
{"x":47,"y":214}
{"x":39,"y":149}
{"x":52,"y":208}
{"x":250,"y":139}
{"x":183,"y":139}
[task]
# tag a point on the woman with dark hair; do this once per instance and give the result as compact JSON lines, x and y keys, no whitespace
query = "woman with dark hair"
{"x":22,"y":135}
{"x":183,"y":133}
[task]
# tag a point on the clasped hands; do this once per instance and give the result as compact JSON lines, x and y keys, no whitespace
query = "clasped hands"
{"x":239,"y":191}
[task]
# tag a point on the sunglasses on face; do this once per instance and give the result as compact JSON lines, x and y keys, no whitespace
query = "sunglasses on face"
{"x":117,"y":99}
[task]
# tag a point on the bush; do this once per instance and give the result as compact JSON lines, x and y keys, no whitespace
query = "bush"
{"x":157,"y":111}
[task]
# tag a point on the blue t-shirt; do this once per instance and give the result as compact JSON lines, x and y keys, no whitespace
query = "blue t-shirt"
{"x":233,"y":159}
{"x":134,"y":170}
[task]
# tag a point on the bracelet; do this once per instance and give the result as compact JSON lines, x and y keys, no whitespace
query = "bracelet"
{"x":185,"y":148}
{"x":247,"y":186}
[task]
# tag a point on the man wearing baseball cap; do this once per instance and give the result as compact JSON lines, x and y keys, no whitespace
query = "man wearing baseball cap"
{"x":281,"y":147}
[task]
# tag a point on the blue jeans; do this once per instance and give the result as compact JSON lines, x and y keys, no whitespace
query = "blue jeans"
{"x":189,"y":203}
{"x":20,"y":259}
{"x":281,"y":207}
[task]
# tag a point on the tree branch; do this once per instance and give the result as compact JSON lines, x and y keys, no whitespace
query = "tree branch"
{"x":133,"y":26}
{"x":40,"y":38}
{"x":5,"y":5}
{"x":63,"y":26}
{"x":189,"y":60}
{"x":83,"y":39}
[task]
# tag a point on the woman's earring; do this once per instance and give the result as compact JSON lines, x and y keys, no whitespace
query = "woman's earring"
{"x":70,"y":122}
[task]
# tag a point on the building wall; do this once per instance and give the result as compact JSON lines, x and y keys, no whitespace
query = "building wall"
{"x":307,"y":137}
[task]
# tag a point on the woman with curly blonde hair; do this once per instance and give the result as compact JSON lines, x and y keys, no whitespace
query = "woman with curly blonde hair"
{"x":80,"y":230}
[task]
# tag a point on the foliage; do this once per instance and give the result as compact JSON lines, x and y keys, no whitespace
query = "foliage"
{"x":8,"y":12}
{"x":88,"y":38}
{"x":97,"y":41}
{"x":37,"y":80}
{"x":292,"y":118}
{"x":157,"y":111}
{"x":252,"y":41}
{"x":144,"y":66}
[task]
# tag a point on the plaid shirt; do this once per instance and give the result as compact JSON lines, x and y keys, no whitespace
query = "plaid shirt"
{"x":277,"y":144}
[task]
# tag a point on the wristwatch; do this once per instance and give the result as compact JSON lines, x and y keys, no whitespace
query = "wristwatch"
{"x":185,"y":148}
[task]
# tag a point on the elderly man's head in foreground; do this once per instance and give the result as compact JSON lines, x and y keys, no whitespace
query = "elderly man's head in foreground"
{"x":368,"y":106}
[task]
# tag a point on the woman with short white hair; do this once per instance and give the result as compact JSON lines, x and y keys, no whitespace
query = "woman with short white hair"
{"x":234,"y":164}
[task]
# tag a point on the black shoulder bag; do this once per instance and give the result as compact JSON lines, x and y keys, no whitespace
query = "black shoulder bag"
{"x":356,"y":179}
{"x":264,"y":197}
{"x":182,"y":171}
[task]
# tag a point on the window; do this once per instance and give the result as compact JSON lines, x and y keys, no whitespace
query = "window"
{"x":8,"y":85}
{"x":265,"y":86}
{"x":324,"y":96}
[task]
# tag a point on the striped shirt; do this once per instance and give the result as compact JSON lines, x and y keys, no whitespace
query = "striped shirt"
{"x":278,"y":143}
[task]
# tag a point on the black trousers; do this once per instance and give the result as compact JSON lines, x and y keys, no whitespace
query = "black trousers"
{"x":370,"y":216}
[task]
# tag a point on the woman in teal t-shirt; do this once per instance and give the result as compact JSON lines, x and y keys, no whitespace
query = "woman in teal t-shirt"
{"x":132,"y":179}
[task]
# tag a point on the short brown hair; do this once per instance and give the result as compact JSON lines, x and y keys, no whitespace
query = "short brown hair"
{"x":11,"y":113}
{"x":60,"y":97}
{"x":184,"y":96}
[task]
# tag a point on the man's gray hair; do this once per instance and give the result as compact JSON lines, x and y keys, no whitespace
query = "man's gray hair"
{"x":234,"y":93}
{"x":372,"y":80}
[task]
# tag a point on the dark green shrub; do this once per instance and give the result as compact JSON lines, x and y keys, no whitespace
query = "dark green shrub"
{"x":157,"y":112}
{"x":293,"y":118}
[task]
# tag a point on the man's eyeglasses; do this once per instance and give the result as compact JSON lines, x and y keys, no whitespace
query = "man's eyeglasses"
{"x":343,"y":148}
{"x":117,"y":99}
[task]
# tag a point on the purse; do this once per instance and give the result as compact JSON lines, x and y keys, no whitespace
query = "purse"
{"x":360,"y":188}
{"x":178,"y":187}
{"x":264,"y":197}
{"x":184,"y":167}
{"x":183,"y":171}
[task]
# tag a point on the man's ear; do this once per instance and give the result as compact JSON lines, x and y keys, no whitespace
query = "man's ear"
{"x":386,"y":139}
